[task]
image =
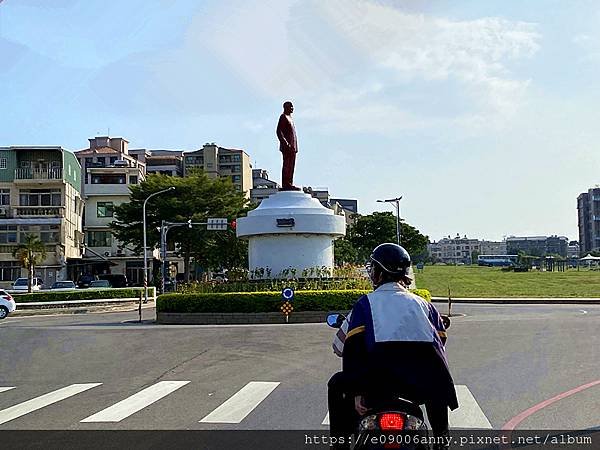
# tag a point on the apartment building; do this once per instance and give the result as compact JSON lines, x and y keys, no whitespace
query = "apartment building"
{"x":262,"y":186}
{"x":108,"y":170}
{"x":221,"y":162}
{"x":164,"y":162}
{"x":40,"y":194}
{"x":537,"y":245}
{"x":588,"y":214}
{"x":573,"y":250}
{"x":457,"y":250}
{"x":343,"y":207}
{"x":492,"y":247}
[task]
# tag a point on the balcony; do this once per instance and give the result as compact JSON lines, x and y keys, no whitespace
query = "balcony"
{"x":39,"y":211}
{"x":26,"y":174}
{"x":106,"y":189}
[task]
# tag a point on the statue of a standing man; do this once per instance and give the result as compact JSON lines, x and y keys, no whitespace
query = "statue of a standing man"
{"x":288,"y":146}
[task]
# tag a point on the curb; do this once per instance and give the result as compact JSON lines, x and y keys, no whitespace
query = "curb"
{"x":165,"y":318}
{"x":520,"y":301}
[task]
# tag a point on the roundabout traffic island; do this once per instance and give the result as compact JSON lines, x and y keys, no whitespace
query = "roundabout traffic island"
{"x":230,"y":308}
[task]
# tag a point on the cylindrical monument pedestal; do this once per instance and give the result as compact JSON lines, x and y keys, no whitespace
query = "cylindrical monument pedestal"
{"x":290,"y":230}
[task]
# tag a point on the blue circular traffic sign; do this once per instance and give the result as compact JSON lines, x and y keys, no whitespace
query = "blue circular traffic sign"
{"x":287,"y":293}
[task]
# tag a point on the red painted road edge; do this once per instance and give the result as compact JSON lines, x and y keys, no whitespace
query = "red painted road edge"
{"x":512,"y":423}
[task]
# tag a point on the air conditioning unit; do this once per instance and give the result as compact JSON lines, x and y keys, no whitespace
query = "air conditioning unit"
{"x":3,"y":212}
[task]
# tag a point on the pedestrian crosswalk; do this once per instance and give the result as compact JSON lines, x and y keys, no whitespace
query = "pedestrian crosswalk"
{"x":252,"y":398}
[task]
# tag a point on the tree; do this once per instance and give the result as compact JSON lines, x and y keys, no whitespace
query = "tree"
{"x":374,"y":229}
{"x":344,"y":252}
{"x":30,"y":253}
{"x":196,"y":197}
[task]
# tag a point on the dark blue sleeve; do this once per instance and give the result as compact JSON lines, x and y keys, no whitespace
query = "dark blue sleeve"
{"x":436,"y":321}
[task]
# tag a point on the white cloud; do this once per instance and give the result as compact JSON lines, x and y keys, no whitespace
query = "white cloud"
{"x":327,"y":53}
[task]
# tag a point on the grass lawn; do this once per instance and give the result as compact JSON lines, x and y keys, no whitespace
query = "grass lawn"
{"x":475,"y":281}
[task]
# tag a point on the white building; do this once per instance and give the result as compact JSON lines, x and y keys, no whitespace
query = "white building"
{"x":107,"y":172}
{"x":454,"y":250}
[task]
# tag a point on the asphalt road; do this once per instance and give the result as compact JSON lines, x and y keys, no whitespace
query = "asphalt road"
{"x":506,"y":359}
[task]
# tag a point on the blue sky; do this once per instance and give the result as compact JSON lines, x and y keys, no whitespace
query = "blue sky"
{"x":483,"y":115}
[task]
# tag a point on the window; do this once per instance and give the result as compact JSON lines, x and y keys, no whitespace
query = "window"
{"x":3,"y":163}
{"x":108,"y":179}
{"x":112,"y":160}
{"x":104,"y":209}
{"x":236,"y":158}
{"x":236,"y":178}
{"x":133,"y":179}
{"x":9,"y":271}
{"x":8,"y":234}
{"x":40,"y":197}
{"x":88,"y":162}
{"x":99,"y":238}
{"x":4,"y":197}
{"x":101,"y":161}
{"x":25,"y":164}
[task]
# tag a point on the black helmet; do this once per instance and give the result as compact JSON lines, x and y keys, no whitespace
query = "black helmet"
{"x":392,"y":258}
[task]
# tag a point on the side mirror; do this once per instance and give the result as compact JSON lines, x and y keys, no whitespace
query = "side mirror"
{"x":335,"y":320}
{"x":446,"y":321}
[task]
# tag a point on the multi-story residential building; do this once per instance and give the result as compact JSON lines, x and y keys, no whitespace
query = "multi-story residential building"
{"x":573,"y":250}
{"x":537,"y":245}
{"x":492,"y":247}
{"x":165,"y":162}
{"x":262,"y":186}
{"x":40,"y":194}
{"x":322,"y":194}
{"x":221,"y":162}
{"x":108,"y":170}
{"x":454,"y":250}
{"x":588,"y":214}
{"x":350,"y":205}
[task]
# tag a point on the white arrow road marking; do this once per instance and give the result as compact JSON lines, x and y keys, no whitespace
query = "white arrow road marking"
{"x":136,"y":402}
{"x":237,"y":407}
{"x":42,"y":401}
{"x":468,"y":414}
{"x":7,"y":388}
{"x":583,"y":311}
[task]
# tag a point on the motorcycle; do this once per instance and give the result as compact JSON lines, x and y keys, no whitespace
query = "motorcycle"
{"x":390,"y":423}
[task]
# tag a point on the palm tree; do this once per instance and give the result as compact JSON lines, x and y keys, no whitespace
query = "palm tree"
{"x":30,"y":253}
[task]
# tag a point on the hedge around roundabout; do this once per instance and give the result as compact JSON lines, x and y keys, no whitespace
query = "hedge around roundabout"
{"x":263,"y":302}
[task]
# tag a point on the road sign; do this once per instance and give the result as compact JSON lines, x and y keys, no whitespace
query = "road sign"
{"x":217,"y":224}
{"x":288,"y":294}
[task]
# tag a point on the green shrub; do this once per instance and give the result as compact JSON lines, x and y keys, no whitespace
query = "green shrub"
{"x":81,"y":294}
{"x":258,"y":302}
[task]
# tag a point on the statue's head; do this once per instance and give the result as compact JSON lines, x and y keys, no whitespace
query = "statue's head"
{"x":288,"y":108}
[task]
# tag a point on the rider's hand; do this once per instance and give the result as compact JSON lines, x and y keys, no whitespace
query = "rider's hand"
{"x":359,"y":405}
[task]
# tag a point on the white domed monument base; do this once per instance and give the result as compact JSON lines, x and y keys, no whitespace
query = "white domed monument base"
{"x":290,"y":230}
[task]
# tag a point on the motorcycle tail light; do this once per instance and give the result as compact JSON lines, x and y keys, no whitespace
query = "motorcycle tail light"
{"x":391,"y":421}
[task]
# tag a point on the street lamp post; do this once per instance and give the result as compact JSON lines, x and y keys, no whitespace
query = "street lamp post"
{"x":396,"y":201}
{"x":145,"y":245}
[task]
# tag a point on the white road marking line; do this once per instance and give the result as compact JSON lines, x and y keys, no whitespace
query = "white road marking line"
{"x":136,"y":402}
{"x":583,"y":311}
{"x":468,"y":414}
{"x":237,"y":407}
{"x":42,"y":401}
{"x":325,"y":420}
{"x":6,"y":388}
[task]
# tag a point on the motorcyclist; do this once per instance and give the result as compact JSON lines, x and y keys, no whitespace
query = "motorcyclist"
{"x":393,"y":347}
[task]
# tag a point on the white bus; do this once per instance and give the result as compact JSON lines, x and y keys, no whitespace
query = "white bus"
{"x":497,"y":260}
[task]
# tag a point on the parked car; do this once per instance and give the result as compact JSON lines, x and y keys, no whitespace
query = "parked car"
{"x":7,"y":304}
{"x":21,"y":284}
{"x":99,"y":284}
{"x":116,"y":280}
{"x":85,"y":280}
{"x":63,"y":286}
